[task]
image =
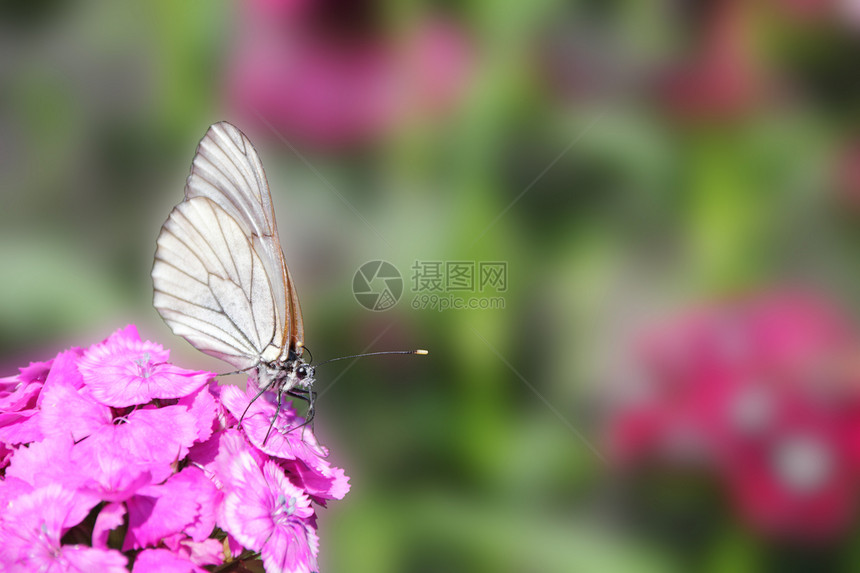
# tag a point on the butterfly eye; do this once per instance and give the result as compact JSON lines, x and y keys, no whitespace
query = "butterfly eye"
{"x":302,"y":372}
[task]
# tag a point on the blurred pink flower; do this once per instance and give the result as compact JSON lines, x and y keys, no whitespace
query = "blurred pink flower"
{"x":722,"y":79}
{"x":847,"y":174}
{"x":811,"y":11}
{"x":328,"y":73}
{"x":760,"y":393}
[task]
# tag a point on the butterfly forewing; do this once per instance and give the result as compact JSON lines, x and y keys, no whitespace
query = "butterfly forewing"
{"x":227,"y":169}
{"x":219,"y":275}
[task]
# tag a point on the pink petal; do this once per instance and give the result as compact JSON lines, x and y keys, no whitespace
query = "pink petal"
{"x":110,"y":517}
{"x":206,"y":552}
{"x":65,"y":410}
{"x":160,"y":435}
{"x":234,"y":546}
{"x":156,"y":512}
{"x":203,"y":408}
{"x":45,"y":462}
{"x":225,"y":418}
{"x":20,"y":427}
{"x":184,"y":503}
{"x":125,"y":371}
{"x":274,"y":476}
{"x":111,"y":472}
{"x":128,"y":333}
{"x":204,"y":453}
{"x":90,"y":466}
{"x":164,"y":561}
{"x":64,"y":370}
{"x":286,"y":440}
{"x":322,"y":481}
{"x":39,"y":518}
{"x":291,"y":549}
{"x":36,"y":371}
{"x":19,"y":395}
{"x":87,"y":559}
{"x":217,"y":453}
{"x":11,"y":488}
{"x":206,"y":496}
{"x":6,"y":452}
{"x":246,"y":510}
{"x":257,"y":501}
{"x":121,"y":380}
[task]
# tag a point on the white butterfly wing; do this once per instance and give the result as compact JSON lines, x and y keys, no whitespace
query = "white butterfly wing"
{"x":219,"y":275}
{"x":211,"y":286}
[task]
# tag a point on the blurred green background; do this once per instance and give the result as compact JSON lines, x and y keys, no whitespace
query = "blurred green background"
{"x":623,"y":158}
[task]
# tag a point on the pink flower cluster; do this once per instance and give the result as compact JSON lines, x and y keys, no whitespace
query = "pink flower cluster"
{"x":763,"y":395}
{"x":111,"y":459}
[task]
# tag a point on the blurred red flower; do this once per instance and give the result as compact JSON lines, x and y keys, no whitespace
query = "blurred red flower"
{"x":329,"y":73}
{"x":760,"y":393}
{"x":810,"y":10}
{"x":722,"y":78}
{"x":847,"y":174}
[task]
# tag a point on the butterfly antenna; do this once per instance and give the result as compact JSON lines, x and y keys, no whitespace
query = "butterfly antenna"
{"x":419,"y":351}
{"x":309,"y":352}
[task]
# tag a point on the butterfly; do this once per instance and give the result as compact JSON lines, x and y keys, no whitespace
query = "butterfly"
{"x":220,"y":280}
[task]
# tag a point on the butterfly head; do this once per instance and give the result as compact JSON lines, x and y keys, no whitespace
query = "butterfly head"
{"x":303,"y":374}
{"x":283,"y":375}
{"x":292,"y":371}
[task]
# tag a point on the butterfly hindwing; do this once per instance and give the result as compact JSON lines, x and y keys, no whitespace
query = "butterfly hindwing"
{"x":211,"y":286}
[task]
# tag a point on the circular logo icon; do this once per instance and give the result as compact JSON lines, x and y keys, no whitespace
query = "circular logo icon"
{"x":377,"y":285}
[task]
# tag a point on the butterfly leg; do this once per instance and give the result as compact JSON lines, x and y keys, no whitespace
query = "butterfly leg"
{"x":254,"y":399}
{"x":308,"y":396}
{"x":311,"y":411}
{"x":277,"y":413}
{"x":237,"y":371}
{"x":300,"y":394}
